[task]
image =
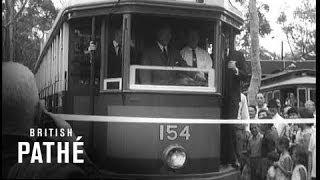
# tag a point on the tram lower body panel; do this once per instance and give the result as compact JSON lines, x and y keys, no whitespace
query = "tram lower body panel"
{"x":138,"y":149}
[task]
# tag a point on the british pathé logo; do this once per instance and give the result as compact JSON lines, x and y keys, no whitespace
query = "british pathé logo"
{"x":65,"y":151}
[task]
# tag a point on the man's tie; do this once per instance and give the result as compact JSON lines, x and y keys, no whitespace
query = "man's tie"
{"x":165,"y":54}
{"x":194,"y":58}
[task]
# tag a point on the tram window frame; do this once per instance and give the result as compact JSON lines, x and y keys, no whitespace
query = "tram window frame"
{"x":213,"y":43}
{"x":299,"y":104}
{"x":269,"y":96}
{"x":82,"y":86}
{"x":309,"y":94}
{"x":110,"y":23}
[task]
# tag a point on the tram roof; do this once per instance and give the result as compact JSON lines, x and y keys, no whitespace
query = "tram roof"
{"x":289,"y":78}
{"x":290,"y":82}
{"x":288,"y":73}
{"x":269,"y":67}
{"x":224,"y":6}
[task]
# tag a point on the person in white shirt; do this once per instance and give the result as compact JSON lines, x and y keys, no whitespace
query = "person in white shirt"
{"x":312,"y":155}
{"x":243,"y":112}
{"x":194,"y":55}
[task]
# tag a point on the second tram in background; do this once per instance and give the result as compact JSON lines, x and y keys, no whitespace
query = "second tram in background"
{"x":301,"y":84}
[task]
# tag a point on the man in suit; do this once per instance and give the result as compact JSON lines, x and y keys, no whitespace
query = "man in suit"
{"x":115,"y":56}
{"x":235,"y":73}
{"x":161,"y":54}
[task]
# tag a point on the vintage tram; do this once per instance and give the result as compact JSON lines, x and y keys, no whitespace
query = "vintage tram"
{"x":300,"y":83}
{"x":73,"y":76}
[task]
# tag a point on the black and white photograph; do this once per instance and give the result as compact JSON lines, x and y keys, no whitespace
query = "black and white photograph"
{"x":159,"y":89}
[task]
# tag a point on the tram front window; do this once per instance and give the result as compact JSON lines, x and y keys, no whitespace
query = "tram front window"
{"x":175,"y":54}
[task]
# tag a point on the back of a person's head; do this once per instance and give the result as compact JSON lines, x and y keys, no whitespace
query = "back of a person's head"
{"x":285,"y":142}
{"x":19,"y":99}
{"x":292,"y":110}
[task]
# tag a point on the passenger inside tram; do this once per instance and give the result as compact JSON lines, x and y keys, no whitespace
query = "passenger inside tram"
{"x":166,"y":45}
{"x":114,"y":55}
{"x":195,"y":56}
{"x":161,"y":54}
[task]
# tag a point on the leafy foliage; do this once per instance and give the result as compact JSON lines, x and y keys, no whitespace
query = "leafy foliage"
{"x":301,"y":34}
{"x":29,"y":28}
{"x":264,"y":25}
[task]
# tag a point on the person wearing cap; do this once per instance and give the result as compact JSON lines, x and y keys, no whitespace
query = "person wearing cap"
{"x":22,"y":110}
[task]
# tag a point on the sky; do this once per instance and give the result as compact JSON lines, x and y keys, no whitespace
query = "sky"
{"x":271,"y":42}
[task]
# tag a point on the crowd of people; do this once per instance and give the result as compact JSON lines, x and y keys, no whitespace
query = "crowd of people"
{"x":278,"y":151}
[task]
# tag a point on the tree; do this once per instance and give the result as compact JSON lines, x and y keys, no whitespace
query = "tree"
{"x":255,"y":81}
{"x":301,"y":34}
{"x":9,"y":17}
{"x":264,"y":25}
{"x":255,"y":25}
{"x":32,"y":18}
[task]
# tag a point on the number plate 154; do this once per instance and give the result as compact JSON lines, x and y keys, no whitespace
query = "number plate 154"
{"x":172,"y":132}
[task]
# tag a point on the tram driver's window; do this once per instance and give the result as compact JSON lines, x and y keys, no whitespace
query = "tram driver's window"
{"x":172,"y":52}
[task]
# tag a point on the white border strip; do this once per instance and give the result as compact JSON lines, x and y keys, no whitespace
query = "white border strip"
{"x":123,"y":119}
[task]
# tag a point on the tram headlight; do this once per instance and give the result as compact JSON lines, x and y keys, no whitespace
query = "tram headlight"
{"x":175,"y":156}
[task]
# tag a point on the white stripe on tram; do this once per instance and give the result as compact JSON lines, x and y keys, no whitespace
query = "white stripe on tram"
{"x":124,"y":119}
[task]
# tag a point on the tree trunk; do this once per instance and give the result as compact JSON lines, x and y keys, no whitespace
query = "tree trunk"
{"x":11,"y":34}
{"x":254,"y":52}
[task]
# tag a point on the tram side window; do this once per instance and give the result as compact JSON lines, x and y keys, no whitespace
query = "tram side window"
{"x":80,"y":56}
{"x":172,"y":51}
{"x":313,"y":95}
{"x":302,"y":97}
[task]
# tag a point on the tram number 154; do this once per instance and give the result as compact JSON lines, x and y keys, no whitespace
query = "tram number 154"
{"x":171,"y":132}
